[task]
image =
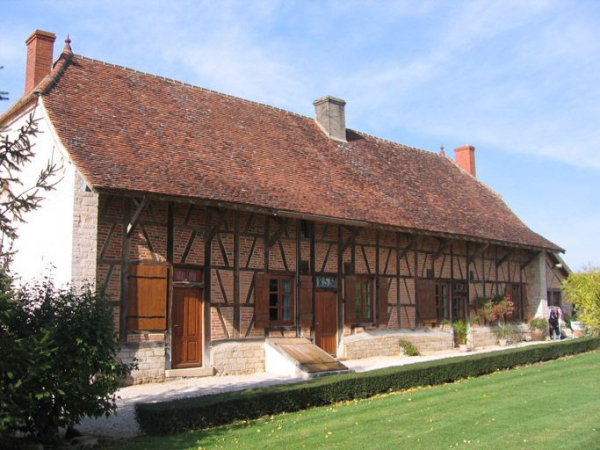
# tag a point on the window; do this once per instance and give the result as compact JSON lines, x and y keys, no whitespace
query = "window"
{"x":459,"y":301}
{"x":442,"y":299}
{"x":281,"y":301}
{"x":364,"y":301}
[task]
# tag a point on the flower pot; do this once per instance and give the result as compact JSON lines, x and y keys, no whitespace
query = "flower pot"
{"x":502,"y":342}
{"x":538,"y":335}
{"x":464,"y":348}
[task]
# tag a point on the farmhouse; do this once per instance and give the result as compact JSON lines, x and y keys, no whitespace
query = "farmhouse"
{"x":228,"y":233}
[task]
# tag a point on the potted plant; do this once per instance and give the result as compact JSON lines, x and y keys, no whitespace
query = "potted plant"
{"x":485,"y":310}
{"x":539,"y":329}
{"x":461,"y":330}
{"x":505,"y":333}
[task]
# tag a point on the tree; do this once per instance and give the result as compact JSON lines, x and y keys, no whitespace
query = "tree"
{"x":16,"y":199}
{"x":57,"y":346}
{"x":583,"y":290}
{"x":58,"y":358}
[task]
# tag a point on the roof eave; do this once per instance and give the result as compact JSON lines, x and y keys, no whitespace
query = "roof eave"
{"x":275,"y":212}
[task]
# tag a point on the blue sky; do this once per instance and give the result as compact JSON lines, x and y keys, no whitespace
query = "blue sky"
{"x":519,"y":80}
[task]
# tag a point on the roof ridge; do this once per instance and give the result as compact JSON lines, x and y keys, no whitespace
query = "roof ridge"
{"x":194,"y":86}
{"x":58,"y":69}
{"x":388,"y":141}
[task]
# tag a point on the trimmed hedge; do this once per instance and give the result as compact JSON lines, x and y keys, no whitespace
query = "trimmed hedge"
{"x":220,"y":409}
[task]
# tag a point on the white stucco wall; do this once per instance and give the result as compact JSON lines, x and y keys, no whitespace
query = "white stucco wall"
{"x":44,"y":243}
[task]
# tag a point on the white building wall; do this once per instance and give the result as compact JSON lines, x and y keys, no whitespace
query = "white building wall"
{"x":44,"y":243}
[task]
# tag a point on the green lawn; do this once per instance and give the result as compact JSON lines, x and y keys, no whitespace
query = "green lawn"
{"x":555,"y":405}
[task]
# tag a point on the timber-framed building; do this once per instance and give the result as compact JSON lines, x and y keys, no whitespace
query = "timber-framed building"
{"x":215,"y":223}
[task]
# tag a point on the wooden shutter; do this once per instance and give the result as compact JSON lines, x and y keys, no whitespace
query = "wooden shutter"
{"x":147,"y":298}
{"x":349,"y":299}
{"x":426,"y":299}
{"x":382,"y":301}
{"x":261,"y":300}
{"x":305,"y":301}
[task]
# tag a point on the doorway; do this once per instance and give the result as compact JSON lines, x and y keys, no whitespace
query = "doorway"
{"x":187,"y":333}
{"x":326,"y":321}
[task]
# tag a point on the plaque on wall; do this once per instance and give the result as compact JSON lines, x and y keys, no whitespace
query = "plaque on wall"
{"x":326,"y":282}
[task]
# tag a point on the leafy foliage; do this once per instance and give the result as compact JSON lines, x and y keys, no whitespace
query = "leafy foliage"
{"x":58,"y":358}
{"x":408,"y":348}
{"x":16,"y":199}
{"x":213,"y":410}
{"x":583,"y":290}
{"x":461,"y":330}
{"x":539,"y":323}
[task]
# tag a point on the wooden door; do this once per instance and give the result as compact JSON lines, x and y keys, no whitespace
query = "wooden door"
{"x":187,"y":327}
{"x":326,"y":321}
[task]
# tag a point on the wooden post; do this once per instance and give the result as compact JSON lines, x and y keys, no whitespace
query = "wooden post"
{"x":297,"y":278}
{"x":376,"y":296}
{"x":237,"y":310}
{"x":416,"y":260}
{"x":340,"y":305}
{"x":398,"y":279}
{"x":125,"y":249}
{"x":207,"y":287}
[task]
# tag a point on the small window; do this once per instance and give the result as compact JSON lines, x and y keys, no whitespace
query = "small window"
{"x":364,"y":301}
{"x":281,"y":301}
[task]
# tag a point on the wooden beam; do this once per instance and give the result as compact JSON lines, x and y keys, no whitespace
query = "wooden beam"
{"x":406,"y":249}
{"x":355,"y":231}
{"x":137,"y":214}
{"x":214,"y":230}
{"x":106,"y":243}
{"x":444,"y":244}
{"x":507,"y":255}
{"x":477,"y":253}
{"x":280,"y":230}
{"x":125,"y":249}
{"x":529,"y":260}
{"x":170,"y":232}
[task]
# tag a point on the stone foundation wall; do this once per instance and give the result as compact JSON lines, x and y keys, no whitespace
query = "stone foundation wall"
{"x":366,"y":346}
{"x":484,"y":336}
{"x":238,"y":358}
{"x":150,"y":359}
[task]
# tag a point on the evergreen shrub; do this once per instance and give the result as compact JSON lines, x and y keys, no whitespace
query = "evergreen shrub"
{"x":212,"y":410}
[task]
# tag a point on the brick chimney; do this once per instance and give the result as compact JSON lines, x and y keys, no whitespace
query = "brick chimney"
{"x":465,"y":158}
{"x":40,"y":51}
{"x":331,"y":117}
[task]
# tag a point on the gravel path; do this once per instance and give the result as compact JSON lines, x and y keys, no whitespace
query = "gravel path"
{"x":123,"y":425}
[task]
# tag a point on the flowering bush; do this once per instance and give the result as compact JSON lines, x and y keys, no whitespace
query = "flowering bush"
{"x":493,"y":309}
{"x":503,"y":307}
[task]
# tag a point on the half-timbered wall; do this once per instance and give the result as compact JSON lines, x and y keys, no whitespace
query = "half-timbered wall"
{"x":231,"y":246}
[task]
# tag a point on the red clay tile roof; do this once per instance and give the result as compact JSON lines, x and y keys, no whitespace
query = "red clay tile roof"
{"x":126,"y":130}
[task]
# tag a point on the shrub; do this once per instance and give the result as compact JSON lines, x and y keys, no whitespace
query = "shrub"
{"x":583,"y":290}
{"x":539,"y":323}
{"x":408,"y":348}
{"x":213,"y":410}
{"x":461,"y":330}
{"x":58,"y":358}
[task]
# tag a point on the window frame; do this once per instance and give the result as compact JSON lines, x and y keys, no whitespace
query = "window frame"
{"x":279,"y":306}
{"x":361,"y":283}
